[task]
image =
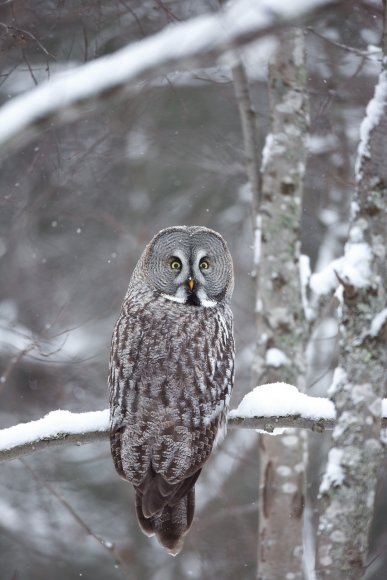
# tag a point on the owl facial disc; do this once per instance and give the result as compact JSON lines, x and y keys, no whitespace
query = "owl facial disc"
{"x":189,"y":265}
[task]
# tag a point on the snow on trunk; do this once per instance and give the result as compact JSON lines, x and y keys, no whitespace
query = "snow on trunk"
{"x":348,"y":487}
{"x":280,"y":313}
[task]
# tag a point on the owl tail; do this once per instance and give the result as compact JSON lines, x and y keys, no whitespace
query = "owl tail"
{"x":172,"y":522}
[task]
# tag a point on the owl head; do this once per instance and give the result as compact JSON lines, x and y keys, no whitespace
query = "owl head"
{"x":189,"y":265}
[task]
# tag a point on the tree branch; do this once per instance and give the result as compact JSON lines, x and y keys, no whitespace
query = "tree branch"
{"x":56,"y":428}
{"x":249,"y":127}
{"x":184,"y":45}
{"x":251,"y":147}
{"x":60,"y":428}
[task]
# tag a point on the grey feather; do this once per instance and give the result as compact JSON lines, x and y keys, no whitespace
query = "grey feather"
{"x":171,"y":375}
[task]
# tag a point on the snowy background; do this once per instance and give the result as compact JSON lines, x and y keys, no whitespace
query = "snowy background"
{"x":77,"y":205}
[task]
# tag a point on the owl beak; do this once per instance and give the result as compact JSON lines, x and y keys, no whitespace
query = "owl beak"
{"x":191,"y":284}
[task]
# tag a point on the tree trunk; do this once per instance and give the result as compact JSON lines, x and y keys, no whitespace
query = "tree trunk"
{"x":280,"y":316}
{"x":349,"y":485}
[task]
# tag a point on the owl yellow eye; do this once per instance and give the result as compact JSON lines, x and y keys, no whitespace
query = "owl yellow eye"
{"x":203,"y":265}
{"x":175,"y":264}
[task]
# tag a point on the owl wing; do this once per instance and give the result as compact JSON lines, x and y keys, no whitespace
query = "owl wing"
{"x":124,"y":357}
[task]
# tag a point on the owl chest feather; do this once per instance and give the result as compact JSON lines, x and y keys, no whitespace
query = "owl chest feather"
{"x":174,"y":368}
{"x":180,"y":348}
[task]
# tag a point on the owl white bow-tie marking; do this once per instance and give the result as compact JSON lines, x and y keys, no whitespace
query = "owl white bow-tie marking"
{"x":171,"y":375}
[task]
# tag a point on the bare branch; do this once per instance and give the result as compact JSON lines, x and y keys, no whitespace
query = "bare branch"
{"x":248,"y":118}
{"x":251,"y":147}
{"x":22,"y":35}
{"x":108,"y":546}
{"x":368,"y":54}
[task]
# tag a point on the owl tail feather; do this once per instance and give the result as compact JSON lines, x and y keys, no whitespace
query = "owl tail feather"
{"x":171,"y":524}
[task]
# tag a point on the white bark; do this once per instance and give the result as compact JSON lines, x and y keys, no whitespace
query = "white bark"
{"x":280,"y":315}
{"x":347,"y":500}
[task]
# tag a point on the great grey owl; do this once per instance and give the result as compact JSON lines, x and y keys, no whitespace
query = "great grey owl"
{"x":171,"y":374}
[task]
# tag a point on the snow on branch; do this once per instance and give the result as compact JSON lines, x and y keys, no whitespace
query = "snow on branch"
{"x":266,"y":408}
{"x":279,"y":405}
{"x":56,"y":428}
{"x":184,"y":45}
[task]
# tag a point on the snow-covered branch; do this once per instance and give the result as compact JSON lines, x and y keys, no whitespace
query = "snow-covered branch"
{"x":184,"y":45}
{"x":266,"y":408}
{"x":56,"y":428}
{"x":279,"y":406}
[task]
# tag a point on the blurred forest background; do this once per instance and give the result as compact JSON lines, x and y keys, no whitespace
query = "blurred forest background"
{"x":77,"y":206}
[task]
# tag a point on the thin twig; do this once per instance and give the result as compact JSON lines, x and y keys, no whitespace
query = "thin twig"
{"x":20,"y":33}
{"x":106,"y":545}
{"x":362,"y":53}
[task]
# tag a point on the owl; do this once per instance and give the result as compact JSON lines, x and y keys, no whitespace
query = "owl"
{"x":171,"y":375}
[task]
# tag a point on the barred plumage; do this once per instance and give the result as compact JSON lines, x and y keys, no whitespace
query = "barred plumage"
{"x":171,"y":374}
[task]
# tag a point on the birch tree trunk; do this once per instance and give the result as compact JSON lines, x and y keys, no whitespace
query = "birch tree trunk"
{"x":280,"y":317}
{"x":349,"y":484}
